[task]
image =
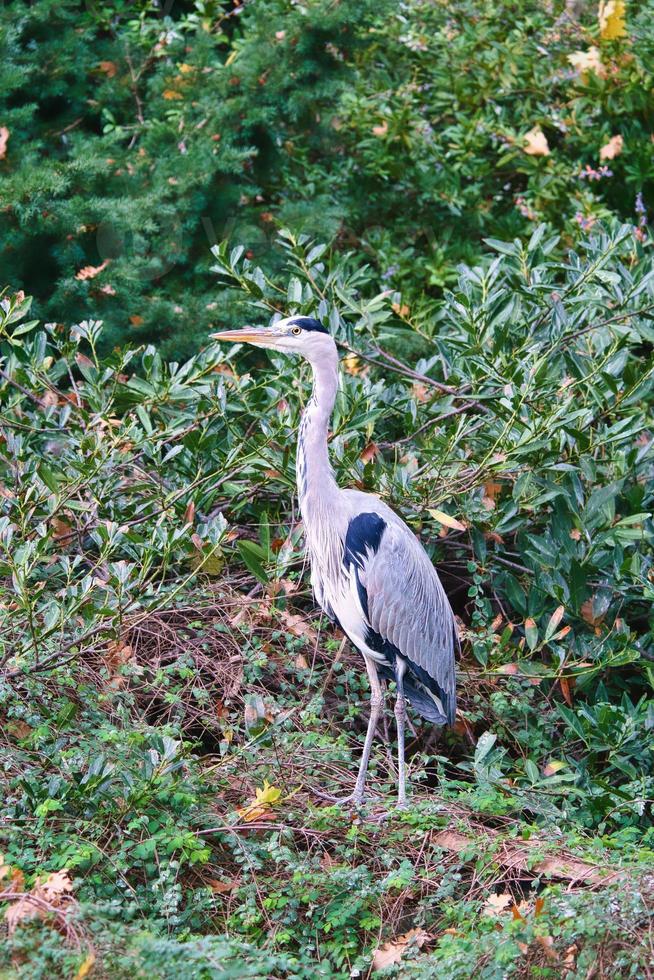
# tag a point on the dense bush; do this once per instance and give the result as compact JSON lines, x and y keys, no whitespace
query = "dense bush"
{"x":141,"y":498}
{"x":140,"y":134}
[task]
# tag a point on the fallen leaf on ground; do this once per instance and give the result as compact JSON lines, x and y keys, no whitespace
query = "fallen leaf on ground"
{"x":393,"y":951}
{"x":222,"y":887}
{"x":265,"y":797}
{"x":85,"y":967}
{"x":45,"y":898}
{"x":496,"y":904}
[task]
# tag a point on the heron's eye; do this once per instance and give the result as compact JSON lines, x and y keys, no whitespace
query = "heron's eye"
{"x":297,"y":331}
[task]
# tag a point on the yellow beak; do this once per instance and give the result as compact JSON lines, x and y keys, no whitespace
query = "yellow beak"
{"x":259,"y":336}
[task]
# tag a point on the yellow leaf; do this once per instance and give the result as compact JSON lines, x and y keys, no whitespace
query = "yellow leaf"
{"x":611,"y":15}
{"x":585,"y":61}
{"x":352,"y":364}
{"x":267,"y":794}
{"x":536,"y":143}
{"x":553,"y":767}
{"x":448,"y":521}
{"x":612,"y":149}
{"x":4,"y":139}
{"x":259,"y":808}
{"x":171,"y":94}
{"x":85,"y":967}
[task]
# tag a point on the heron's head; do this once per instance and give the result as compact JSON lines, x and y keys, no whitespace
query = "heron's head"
{"x":293,"y":335}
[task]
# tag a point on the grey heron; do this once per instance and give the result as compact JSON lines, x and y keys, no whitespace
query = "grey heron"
{"x":369,"y":572}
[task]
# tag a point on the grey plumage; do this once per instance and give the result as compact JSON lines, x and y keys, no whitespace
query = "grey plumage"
{"x":369,"y":572}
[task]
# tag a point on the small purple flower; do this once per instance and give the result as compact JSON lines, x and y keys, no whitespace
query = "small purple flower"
{"x":641,"y":211}
{"x":588,"y":173}
{"x":585,"y":223}
{"x":390,"y":272}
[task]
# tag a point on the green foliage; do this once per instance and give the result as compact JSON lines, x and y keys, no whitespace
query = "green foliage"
{"x":169,"y":699}
{"x":140,"y":134}
{"x":141,"y":712}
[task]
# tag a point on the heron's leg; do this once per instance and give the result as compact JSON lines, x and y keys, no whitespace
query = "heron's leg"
{"x":376,"y":703}
{"x":400,"y":719}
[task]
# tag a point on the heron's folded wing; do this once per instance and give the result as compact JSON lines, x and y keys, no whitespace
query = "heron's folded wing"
{"x":407,"y":604}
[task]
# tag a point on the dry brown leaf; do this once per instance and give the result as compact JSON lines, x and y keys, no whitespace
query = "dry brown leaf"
{"x":497,"y":904}
{"x":170,"y":94}
{"x":492,"y":489}
{"x":588,"y":613}
{"x":222,"y":887}
{"x":585,"y":61}
{"x":108,"y":68}
{"x":136,"y":320}
{"x":45,"y":897}
{"x":536,"y":143}
{"x":189,"y":513}
{"x":91,"y":271}
{"x":401,"y":309}
{"x":61,"y":528}
{"x":297,"y":625}
{"x":612,"y":149}
{"x":56,"y":885}
{"x":4,"y":139}
{"x":19,"y":729}
{"x":392,"y":952}
{"x":570,"y":956}
{"x":566,"y":684}
{"x":369,"y":453}
{"x":547,"y":945}
{"x":420,"y":392}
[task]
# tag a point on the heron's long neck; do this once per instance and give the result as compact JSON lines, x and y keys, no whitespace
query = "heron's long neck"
{"x":315,"y":477}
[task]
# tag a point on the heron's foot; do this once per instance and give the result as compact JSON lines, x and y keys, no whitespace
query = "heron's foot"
{"x":355,"y":798}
